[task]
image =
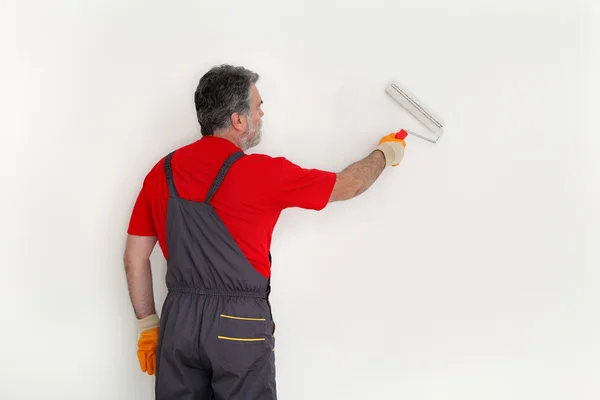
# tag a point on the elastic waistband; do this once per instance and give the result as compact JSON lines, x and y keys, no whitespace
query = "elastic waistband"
{"x":216,"y":292}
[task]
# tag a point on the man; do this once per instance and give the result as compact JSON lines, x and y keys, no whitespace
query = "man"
{"x":212,"y":209}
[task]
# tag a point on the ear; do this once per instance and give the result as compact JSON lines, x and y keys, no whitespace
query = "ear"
{"x":238,"y":121}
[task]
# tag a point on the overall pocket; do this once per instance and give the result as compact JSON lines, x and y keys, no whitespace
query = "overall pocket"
{"x":242,"y":341}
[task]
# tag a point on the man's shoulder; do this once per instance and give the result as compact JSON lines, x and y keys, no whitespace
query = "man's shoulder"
{"x":260,"y":158}
{"x":264,"y":160}
{"x":154,"y":175}
{"x":178,"y":155}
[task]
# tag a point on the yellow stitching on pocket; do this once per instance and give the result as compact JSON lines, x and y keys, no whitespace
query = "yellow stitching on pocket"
{"x":242,"y":318}
{"x":241,"y":339}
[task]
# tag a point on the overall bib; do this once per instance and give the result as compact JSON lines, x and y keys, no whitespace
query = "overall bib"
{"x":216,"y":329}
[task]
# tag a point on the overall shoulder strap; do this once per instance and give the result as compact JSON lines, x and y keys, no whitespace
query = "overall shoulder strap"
{"x":169,"y":175}
{"x":221,"y":175}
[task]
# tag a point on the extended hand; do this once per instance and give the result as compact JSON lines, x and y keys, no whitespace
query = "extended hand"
{"x":392,"y":146}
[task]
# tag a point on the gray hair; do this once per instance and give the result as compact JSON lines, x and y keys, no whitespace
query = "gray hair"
{"x":222,"y":91}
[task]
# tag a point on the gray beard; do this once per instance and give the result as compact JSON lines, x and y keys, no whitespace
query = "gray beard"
{"x":252,"y":137}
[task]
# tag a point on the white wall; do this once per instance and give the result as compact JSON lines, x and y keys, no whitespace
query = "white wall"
{"x":466,"y":273}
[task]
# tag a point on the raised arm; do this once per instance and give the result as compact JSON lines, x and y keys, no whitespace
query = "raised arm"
{"x":359,"y":176}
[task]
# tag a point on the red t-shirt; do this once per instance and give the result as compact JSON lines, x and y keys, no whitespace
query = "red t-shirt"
{"x":249,"y":201}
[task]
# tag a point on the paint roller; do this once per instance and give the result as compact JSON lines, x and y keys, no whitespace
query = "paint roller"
{"x":424,"y":114}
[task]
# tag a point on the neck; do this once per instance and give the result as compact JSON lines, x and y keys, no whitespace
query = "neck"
{"x":232,"y":137}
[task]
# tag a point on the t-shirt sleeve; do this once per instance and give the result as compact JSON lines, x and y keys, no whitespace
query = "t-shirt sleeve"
{"x":141,"y":222}
{"x":301,"y":187}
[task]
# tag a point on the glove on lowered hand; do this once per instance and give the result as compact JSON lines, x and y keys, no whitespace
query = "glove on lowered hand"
{"x":392,"y":146}
{"x":147,"y":343}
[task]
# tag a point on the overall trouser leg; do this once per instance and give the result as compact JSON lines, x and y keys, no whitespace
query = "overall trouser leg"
{"x":180,"y":371}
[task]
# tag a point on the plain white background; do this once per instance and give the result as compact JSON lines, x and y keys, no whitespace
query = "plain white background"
{"x":470,"y":272}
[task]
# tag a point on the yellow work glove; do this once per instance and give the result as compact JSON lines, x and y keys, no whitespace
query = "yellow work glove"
{"x":392,"y":146}
{"x":147,"y":343}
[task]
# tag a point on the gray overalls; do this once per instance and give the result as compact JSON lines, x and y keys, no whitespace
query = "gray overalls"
{"x":216,"y":329}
